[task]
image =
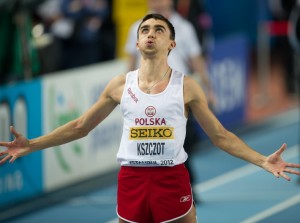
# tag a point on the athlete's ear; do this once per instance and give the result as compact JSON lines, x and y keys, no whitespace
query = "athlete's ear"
{"x":172,"y":45}
{"x":137,"y":45}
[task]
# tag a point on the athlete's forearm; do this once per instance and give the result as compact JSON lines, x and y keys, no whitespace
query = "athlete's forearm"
{"x":236,"y":147}
{"x":61,"y":135}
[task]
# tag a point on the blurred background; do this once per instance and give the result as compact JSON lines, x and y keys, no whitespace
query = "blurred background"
{"x":56,"y":56}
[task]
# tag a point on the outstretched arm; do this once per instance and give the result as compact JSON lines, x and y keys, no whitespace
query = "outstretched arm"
{"x":70,"y":131}
{"x":226,"y":140}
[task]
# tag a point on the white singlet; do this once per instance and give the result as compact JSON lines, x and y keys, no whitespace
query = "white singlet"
{"x":154,"y":124}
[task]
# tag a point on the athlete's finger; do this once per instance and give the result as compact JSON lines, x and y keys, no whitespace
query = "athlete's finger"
{"x":4,"y":160}
{"x":13,"y":159}
{"x":2,"y":153}
{"x":283,"y":175}
{"x":13,"y":131}
{"x":281,"y":149}
{"x":5,"y":144}
{"x":293,"y":165}
{"x":287,"y":170}
{"x":276,"y":174}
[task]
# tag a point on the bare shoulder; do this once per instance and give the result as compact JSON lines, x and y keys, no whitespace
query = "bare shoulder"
{"x":192,"y":90}
{"x":115,"y":88}
{"x":118,"y":80}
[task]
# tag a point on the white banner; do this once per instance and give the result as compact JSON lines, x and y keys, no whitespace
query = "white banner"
{"x":66,"y":95}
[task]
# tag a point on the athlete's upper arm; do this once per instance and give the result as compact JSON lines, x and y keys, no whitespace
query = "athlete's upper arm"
{"x":195,"y":100}
{"x":194,"y":96}
{"x":105,"y":104}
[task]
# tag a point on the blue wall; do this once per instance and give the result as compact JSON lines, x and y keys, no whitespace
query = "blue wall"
{"x":236,"y":16}
{"x":22,"y":180}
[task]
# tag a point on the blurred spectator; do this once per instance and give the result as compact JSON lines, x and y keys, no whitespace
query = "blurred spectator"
{"x":281,"y":11}
{"x":18,"y":56}
{"x":85,"y":20}
{"x":185,"y":57}
{"x":49,"y":30}
{"x":194,"y":11}
{"x":86,"y":31}
{"x":108,"y":36}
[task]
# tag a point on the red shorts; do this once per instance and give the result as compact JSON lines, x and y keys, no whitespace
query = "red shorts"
{"x":154,"y":194}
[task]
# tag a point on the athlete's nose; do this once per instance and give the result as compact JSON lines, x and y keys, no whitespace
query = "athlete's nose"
{"x":151,"y":33}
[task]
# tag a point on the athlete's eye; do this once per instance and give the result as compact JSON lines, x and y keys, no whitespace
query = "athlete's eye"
{"x":159,"y":30}
{"x":144,"y":30}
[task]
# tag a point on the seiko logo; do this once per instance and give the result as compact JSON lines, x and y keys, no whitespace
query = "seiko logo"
{"x":185,"y":198}
{"x":150,"y":111}
{"x":151,"y":133}
{"x":132,"y":95}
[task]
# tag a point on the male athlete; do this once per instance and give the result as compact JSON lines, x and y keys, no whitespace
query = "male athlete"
{"x":153,"y":183}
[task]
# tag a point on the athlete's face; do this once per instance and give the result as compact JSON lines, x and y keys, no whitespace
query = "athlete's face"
{"x":154,"y":36}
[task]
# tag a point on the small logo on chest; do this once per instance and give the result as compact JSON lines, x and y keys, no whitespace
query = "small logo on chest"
{"x":132,"y":95}
{"x":150,"y":111}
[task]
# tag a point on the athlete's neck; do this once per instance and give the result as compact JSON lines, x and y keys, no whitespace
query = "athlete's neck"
{"x":152,"y":70}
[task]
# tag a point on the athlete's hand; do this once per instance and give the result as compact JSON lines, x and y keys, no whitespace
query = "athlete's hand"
{"x":17,"y":148}
{"x":278,"y":167}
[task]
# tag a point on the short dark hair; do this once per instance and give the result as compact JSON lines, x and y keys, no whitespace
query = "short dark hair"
{"x":158,"y":17}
